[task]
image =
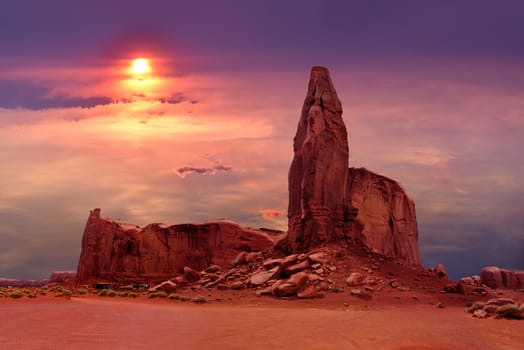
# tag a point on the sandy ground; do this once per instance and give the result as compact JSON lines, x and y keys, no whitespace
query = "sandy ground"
{"x":96,"y":323}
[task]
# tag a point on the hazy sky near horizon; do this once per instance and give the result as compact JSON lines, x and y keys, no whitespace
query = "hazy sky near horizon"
{"x":433,"y":97}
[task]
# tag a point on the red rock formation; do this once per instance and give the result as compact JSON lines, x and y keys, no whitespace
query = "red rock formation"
{"x":495,"y":277}
{"x":386,"y":221}
{"x":113,"y":250}
{"x":325,"y":196}
{"x":317,"y":211}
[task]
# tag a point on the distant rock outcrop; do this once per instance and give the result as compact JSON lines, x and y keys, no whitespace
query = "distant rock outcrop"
{"x":318,"y":205}
{"x":56,"y":277}
{"x":112,"y":250}
{"x":386,"y":220}
{"x":495,"y":277}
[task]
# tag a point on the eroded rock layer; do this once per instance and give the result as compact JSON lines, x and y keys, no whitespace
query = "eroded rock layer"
{"x":495,"y":277}
{"x":112,"y":250}
{"x":318,"y":211}
{"x":386,"y":221}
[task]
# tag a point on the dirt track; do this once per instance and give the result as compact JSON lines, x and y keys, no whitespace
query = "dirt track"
{"x":100,"y":324}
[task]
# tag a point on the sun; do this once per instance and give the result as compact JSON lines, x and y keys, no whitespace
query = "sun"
{"x":140,"y":66}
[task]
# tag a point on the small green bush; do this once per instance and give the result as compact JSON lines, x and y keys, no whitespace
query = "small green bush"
{"x":64,"y":293}
{"x":174,"y":296}
{"x":335,"y":289}
{"x":476,"y":306}
{"x":81,"y":291}
{"x":128,"y":294}
{"x":17,"y":293}
{"x":108,"y":293}
{"x":490,"y":309}
{"x":199,"y":299}
{"x":57,"y":289}
{"x":159,"y":294}
{"x":511,"y":311}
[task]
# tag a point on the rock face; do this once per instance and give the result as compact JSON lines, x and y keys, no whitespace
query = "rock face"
{"x":112,"y":250}
{"x":325,"y":196}
{"x":495,"y":277}
{"x":318,"y":205}
{"x":386,"y":220}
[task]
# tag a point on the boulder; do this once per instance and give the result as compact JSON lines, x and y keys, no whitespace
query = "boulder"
{"x":166,"y":286}
{"x":354,"y":279}
{"x":300,"y":279}
{"x":237,"y":285}
{"x":239,"y":259}
{"x":440,"y":271}
{"x":261,"y":277}
{"x":286,"y":289}
{"x":295,"y":284}
{"x":213,"y":269}
{"x":191,"y":275}
{"x":254,"y":256}
{"x":319,"y":258}
{"x":480,"y":313}
{"x":500,"y":301}
{"x":308,"y":292}
{"x":297,"y":267}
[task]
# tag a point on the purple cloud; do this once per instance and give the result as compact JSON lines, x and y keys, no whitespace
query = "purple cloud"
{"x":187,"y":170}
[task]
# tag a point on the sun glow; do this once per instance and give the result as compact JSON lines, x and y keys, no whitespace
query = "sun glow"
{"x":140,"y":66}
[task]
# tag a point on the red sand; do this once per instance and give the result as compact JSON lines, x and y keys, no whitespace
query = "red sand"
{"x":96,"y":323}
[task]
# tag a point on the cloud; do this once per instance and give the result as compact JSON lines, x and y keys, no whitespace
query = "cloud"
{"x":19,"y":95}
{"x":188,"y":170}
{"x":271,"y":214}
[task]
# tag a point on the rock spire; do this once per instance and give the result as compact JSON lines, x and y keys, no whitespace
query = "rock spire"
{"x":318,"y":204}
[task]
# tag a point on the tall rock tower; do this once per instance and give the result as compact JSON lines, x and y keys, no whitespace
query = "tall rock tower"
{"x":318,"y":209}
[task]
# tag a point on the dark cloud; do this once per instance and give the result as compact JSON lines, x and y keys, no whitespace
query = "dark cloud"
{"x":281,"y":30}
{"x":21,"y":95}
{"x":187,"y":170}
{"x":172,"y":99}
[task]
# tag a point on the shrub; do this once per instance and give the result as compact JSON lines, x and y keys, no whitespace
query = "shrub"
{"x":476,"y":306}
{"x":490,"y":309}
{"x":440,"y":305}
{"x":199,"y":299}
{"x":128,"y":294}
{"x":107,"y":292}
{"x":335,"y":289}
{"x":159,"y":294}
{"x":17,"y":293}
{"x":81,"y":291}
{"x":42,"y":292}
{"x":174,"y":296}
{"x":57,"y":289}
{"x":511,"y":311}
{"x":64,"y":293}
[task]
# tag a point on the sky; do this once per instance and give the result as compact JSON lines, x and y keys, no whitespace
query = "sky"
{"x":433,"y":97}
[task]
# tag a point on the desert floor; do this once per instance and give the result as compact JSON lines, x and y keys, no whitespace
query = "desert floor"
{"x":101,"y":323}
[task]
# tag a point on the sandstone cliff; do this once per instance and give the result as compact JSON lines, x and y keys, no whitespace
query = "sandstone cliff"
{"x":325,"y":196}
{"x":113,"y":250}
{"x":386,"y":220}
{"x":318,"y":200}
